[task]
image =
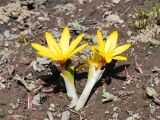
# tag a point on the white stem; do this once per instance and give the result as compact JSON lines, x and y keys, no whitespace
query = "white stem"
{"x":71,"y":91}
{"x":93,"y":77}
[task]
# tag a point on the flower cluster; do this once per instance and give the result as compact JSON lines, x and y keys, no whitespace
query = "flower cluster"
{"x":104,"y":52}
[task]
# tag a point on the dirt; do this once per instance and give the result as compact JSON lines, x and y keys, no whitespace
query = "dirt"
{"x":132,"y":97}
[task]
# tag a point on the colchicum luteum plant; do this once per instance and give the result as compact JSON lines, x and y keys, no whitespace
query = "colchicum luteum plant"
{"x":104,"y":52}
{"x":61,"y":52}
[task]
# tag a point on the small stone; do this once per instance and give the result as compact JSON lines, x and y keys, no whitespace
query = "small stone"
{"x":43,"y":19}
{"x":10,"y":112}
{"x":37,"y":67}
{"x":156,"y":81}
{"x":7,"y":34}
{"x":2,"y":86}
{"x":2,"y":113}
{"x":114,"y":18}
{"x":14,"y":106}
{"x":3,"y":61}
{"x":106,"y":112}
{"x":6,"y":44}
{"x":52,"y":105}
{"x":116,"y":1}
{"x":45,"y":119}
{"x":134,"y":117}
{"x":50,"y":116}
{"x":25,"y":60}
{"x":129,"y":33}
{"x":65,"y":115}
{"x":51,"y":108}
{"x":43,"y":61}
{"x":115,"y":116}
{"x":115,"y":109}
{"x":37,"y":99}
{"x":17,"y":45}
{"x":2,"y":79}
{"x":14,"y":29}
{"x":156,"y":69}
{"x":152,"y":109}
{"x":126,"y":1}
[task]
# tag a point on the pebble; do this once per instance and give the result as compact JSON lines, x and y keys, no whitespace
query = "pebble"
{"x":9,"y":36}
{"x":51,"y":108}
{"x":10,"y":112}
{"x":6,"y":44}
{"x":116,"y":1}
{"x":156,"y":81}
{"x":126,"y":1}
{"x":25,"y":60}
{"x":6,"y":33}
{"x":49,"y":113}
{"x":37,"y":67}
{"x":2,"y":86}
{"x":2,"y":81}
{"x":43,"y":19}
{"x":37,"y":99}
{"x":1,"y":39}
{"x":45,"y":119}
{"x":106,"y":112}
{"x":114,"y":18}
{"x":129,"y":33}
{"x":2,"y":113}
{"x":43,"y":61}
{"x":65,"y":115}
{"x":3,"y":61}
{"x":115,"y":116}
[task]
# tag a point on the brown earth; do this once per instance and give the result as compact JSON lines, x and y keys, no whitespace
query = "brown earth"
{"x":132,"y":97}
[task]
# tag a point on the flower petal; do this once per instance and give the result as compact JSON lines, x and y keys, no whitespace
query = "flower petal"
{"x":64,"y":41}
{"x":121,"y":49}
{"x":75,"y":43}
{"x":95,"y":60}
{"x":108,"y":58}
{"x":96,"y":49}
{"x":100,"y":40}
{"x":52,"y":43}
{"x":51,"y":57}
{"x":78,"y":49}
{"x":43,"y":51}
{"x":119,"y":58}
{"x":114,"y":42}
{"x":111,"y":41}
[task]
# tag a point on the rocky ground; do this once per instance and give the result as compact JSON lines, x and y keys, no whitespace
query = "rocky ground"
{"x":24,"y":75}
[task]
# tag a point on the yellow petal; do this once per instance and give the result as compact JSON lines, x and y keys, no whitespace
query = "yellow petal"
{"x":108,"y":58}
{"x":75,"y":43}
{"x":64,"y":41}
{"x":111,"y":41}
{"x":100,"y":40}
{"x":95,"y":60}
{"x":52,"y":43}
{"x":94,"y":48}
{"x":77,"y":50}
{"x":52,"y":57}
{"x":119,"y":58}
{"x":114,"y":42}
{"x":121,"y":49}
{"x":43,"y":51}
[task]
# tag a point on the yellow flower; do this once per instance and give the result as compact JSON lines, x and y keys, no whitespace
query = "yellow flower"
{"x":61,"y":51}
{"x":108,"y":49}
{"x":96,"y":60}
